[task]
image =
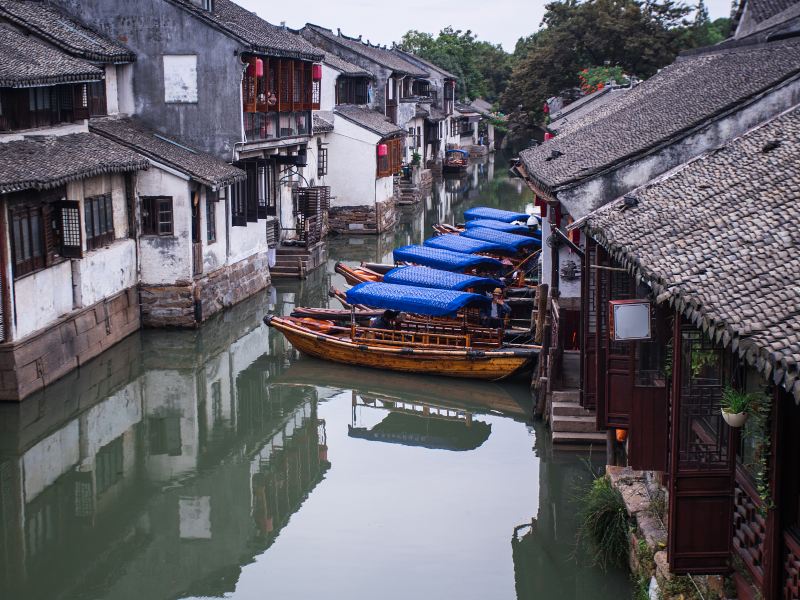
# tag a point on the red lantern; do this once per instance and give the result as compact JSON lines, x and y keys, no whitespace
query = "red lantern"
{"x":548,"y":136}
{"x":259,"y":67}
{"x":383,"y":150}
{"x":316,"y":72}
{"x":546,"y":108}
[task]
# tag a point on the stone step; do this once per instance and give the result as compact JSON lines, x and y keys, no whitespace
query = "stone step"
{"x":569,"y":409}
{"x":280,"y":273}
{"x":568,"y":437}
{"x":290,"y":251}
{"x":574,"y":424}
{"x":567,"y":396}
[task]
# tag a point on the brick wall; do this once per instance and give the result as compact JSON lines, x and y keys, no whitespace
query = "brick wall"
{"x":174,"y":305}
{"x":363,"y":219}
{"x":40,"y":359}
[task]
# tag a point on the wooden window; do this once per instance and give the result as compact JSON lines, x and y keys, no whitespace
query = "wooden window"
{"x":98,"y":213}
{"x":390,"y":164}
{"x":27,"y":239}
{"x":211,"y":218}
{"x":157,"y":215}
{"x":453,"y":127}
{"x":96,"y":92}
{"x":70,"y":226}
{"x":239,"y":204}
{"x":322,"y":162}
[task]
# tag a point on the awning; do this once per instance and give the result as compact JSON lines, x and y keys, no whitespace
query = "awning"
{"x":445,"y":259}
{"x":416,"y":300}
{"x":435,"y":278}
{"x":485,"y":212}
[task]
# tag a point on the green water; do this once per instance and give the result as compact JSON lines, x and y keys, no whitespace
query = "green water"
{"x":220,"y":463}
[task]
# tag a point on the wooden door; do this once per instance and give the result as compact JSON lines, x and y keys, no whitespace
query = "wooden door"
{"x":702,"y":450}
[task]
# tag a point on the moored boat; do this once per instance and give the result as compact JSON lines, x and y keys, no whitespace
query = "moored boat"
{"x":451,"y":349}
{"x":455,"y":161}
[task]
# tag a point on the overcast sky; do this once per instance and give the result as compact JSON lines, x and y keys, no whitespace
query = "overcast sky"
{"x":501,"y":21}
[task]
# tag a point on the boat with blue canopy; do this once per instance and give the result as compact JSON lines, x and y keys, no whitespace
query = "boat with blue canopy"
{"x":436,"y":278}
{"x":455,"y":160}
{"x":446,"y":259}
{"x":498,"y":225}
{"x":492,"y":235}
{"x":418,"y":300}
{"x":495,"y":214}
{"x":458,"y":243}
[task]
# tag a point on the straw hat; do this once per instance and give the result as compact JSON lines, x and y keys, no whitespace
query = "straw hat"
{"x":497,"y":292}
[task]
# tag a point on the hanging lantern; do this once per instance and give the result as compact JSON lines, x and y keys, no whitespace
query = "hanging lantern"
{"x":259,"y":67}
{"x":316,"y":72}
{"x":548,"y":136}
{"x":622,"y":435}
{"x":383,"y":150}
{"x":546,"y":108}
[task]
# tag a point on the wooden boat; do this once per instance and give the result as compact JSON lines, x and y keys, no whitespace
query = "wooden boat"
{"x":455,"y":161}
{"x":430,"y":353}
{"x":449,"y":349}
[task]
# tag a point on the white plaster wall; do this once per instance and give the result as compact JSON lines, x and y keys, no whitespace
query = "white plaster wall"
{"x":105,"y":272}
{"x":112,"y":93}
{"x":48,"y":460}
{"x":166,"y":259}
{"x":42,"y":297}
{"x":213,"y":254}
{"x":384,"y":189}
{"x":327,"y":98}
{"x":125,"y":89}
{"x":247,"y":349}
{"x":96,"y":186}
{"x":352,"y":164}
{"x":247,"y":241}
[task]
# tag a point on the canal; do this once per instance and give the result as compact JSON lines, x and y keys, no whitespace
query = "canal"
{"x":220,"y":463}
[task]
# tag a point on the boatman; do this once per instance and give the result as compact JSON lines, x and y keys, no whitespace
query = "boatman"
{"x":494,"y":316}
{"x":385,"y":321}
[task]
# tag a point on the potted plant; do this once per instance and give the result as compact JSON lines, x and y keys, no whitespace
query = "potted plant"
{"x":735,"y":406}
{"x":416,"y":157}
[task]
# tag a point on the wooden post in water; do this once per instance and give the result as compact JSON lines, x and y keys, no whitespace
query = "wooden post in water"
{"x":541,"y":312}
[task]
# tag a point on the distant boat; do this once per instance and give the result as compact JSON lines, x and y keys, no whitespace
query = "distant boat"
{"x":455,"y":161}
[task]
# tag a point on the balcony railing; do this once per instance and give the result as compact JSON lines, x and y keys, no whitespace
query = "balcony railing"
{"x":276,"y":126}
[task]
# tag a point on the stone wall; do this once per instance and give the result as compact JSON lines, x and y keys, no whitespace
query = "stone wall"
{"x":175,"y":305}
{"x":38,"y":360}
{"x":363,"y":219}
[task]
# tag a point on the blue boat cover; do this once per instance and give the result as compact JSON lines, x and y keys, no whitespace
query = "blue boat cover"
{"x":420,"y":301}
{"x":436,"y":278}
{"x":512,"y":239}
{"x":445,"y":259}
{"x":459,"y":243}
{"x":498,"y":225}
{"x":485,"y":212}
{"x":458,"y":151}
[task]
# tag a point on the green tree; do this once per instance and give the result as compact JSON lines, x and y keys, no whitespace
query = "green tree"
{"x":639,"y":37}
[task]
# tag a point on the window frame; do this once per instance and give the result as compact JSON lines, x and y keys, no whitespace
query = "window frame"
{"x":322,"y":161}
{"x":151,"y":223}
{"x":98,"y":211}
{"x":211,"y":218}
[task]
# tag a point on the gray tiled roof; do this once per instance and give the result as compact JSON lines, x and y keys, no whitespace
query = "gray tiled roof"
{"x":49,"y":161}
{"x":49,"y":23}
{"x":341,"y":65}
{"x":27,"y":62}
{"x":201,"y":167}
{"x":718,"y":239}
{"x":567,"y":120}
{"x":323,"y":121}
{"x":765,"y":9}
{"x":369,"y":119}
{"x":682,"y":96}
{"x":382,"y":56}
{"x":425,"y":64}
{"x":249,"y":27}
{"x":436,"y":114}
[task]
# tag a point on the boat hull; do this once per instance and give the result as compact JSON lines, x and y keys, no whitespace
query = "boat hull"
{"x":490,"y":365}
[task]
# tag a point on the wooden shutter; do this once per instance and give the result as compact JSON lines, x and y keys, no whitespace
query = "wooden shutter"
{"x":69,"y":217}
{"x":262,"y":189}
{"x":251,"y":168}
{"x":589,"y":328}
{"x":238,"y":199}
{"x":702,"y":459}
{"x":285,"y":95}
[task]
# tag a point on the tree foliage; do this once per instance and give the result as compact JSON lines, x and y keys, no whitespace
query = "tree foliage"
{"x":637,"y":36}
{"x":482,"y":68}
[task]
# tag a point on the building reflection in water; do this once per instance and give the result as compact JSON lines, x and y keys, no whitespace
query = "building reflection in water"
{"x":172,"y":450}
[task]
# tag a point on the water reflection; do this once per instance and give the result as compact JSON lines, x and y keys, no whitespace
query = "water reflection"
{"x":218,"y":462}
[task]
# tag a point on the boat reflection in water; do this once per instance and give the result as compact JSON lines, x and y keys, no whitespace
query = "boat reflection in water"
{"x":419,"y":424}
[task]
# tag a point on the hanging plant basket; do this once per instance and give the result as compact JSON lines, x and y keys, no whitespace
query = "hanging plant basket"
{"x":735,"y":420}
